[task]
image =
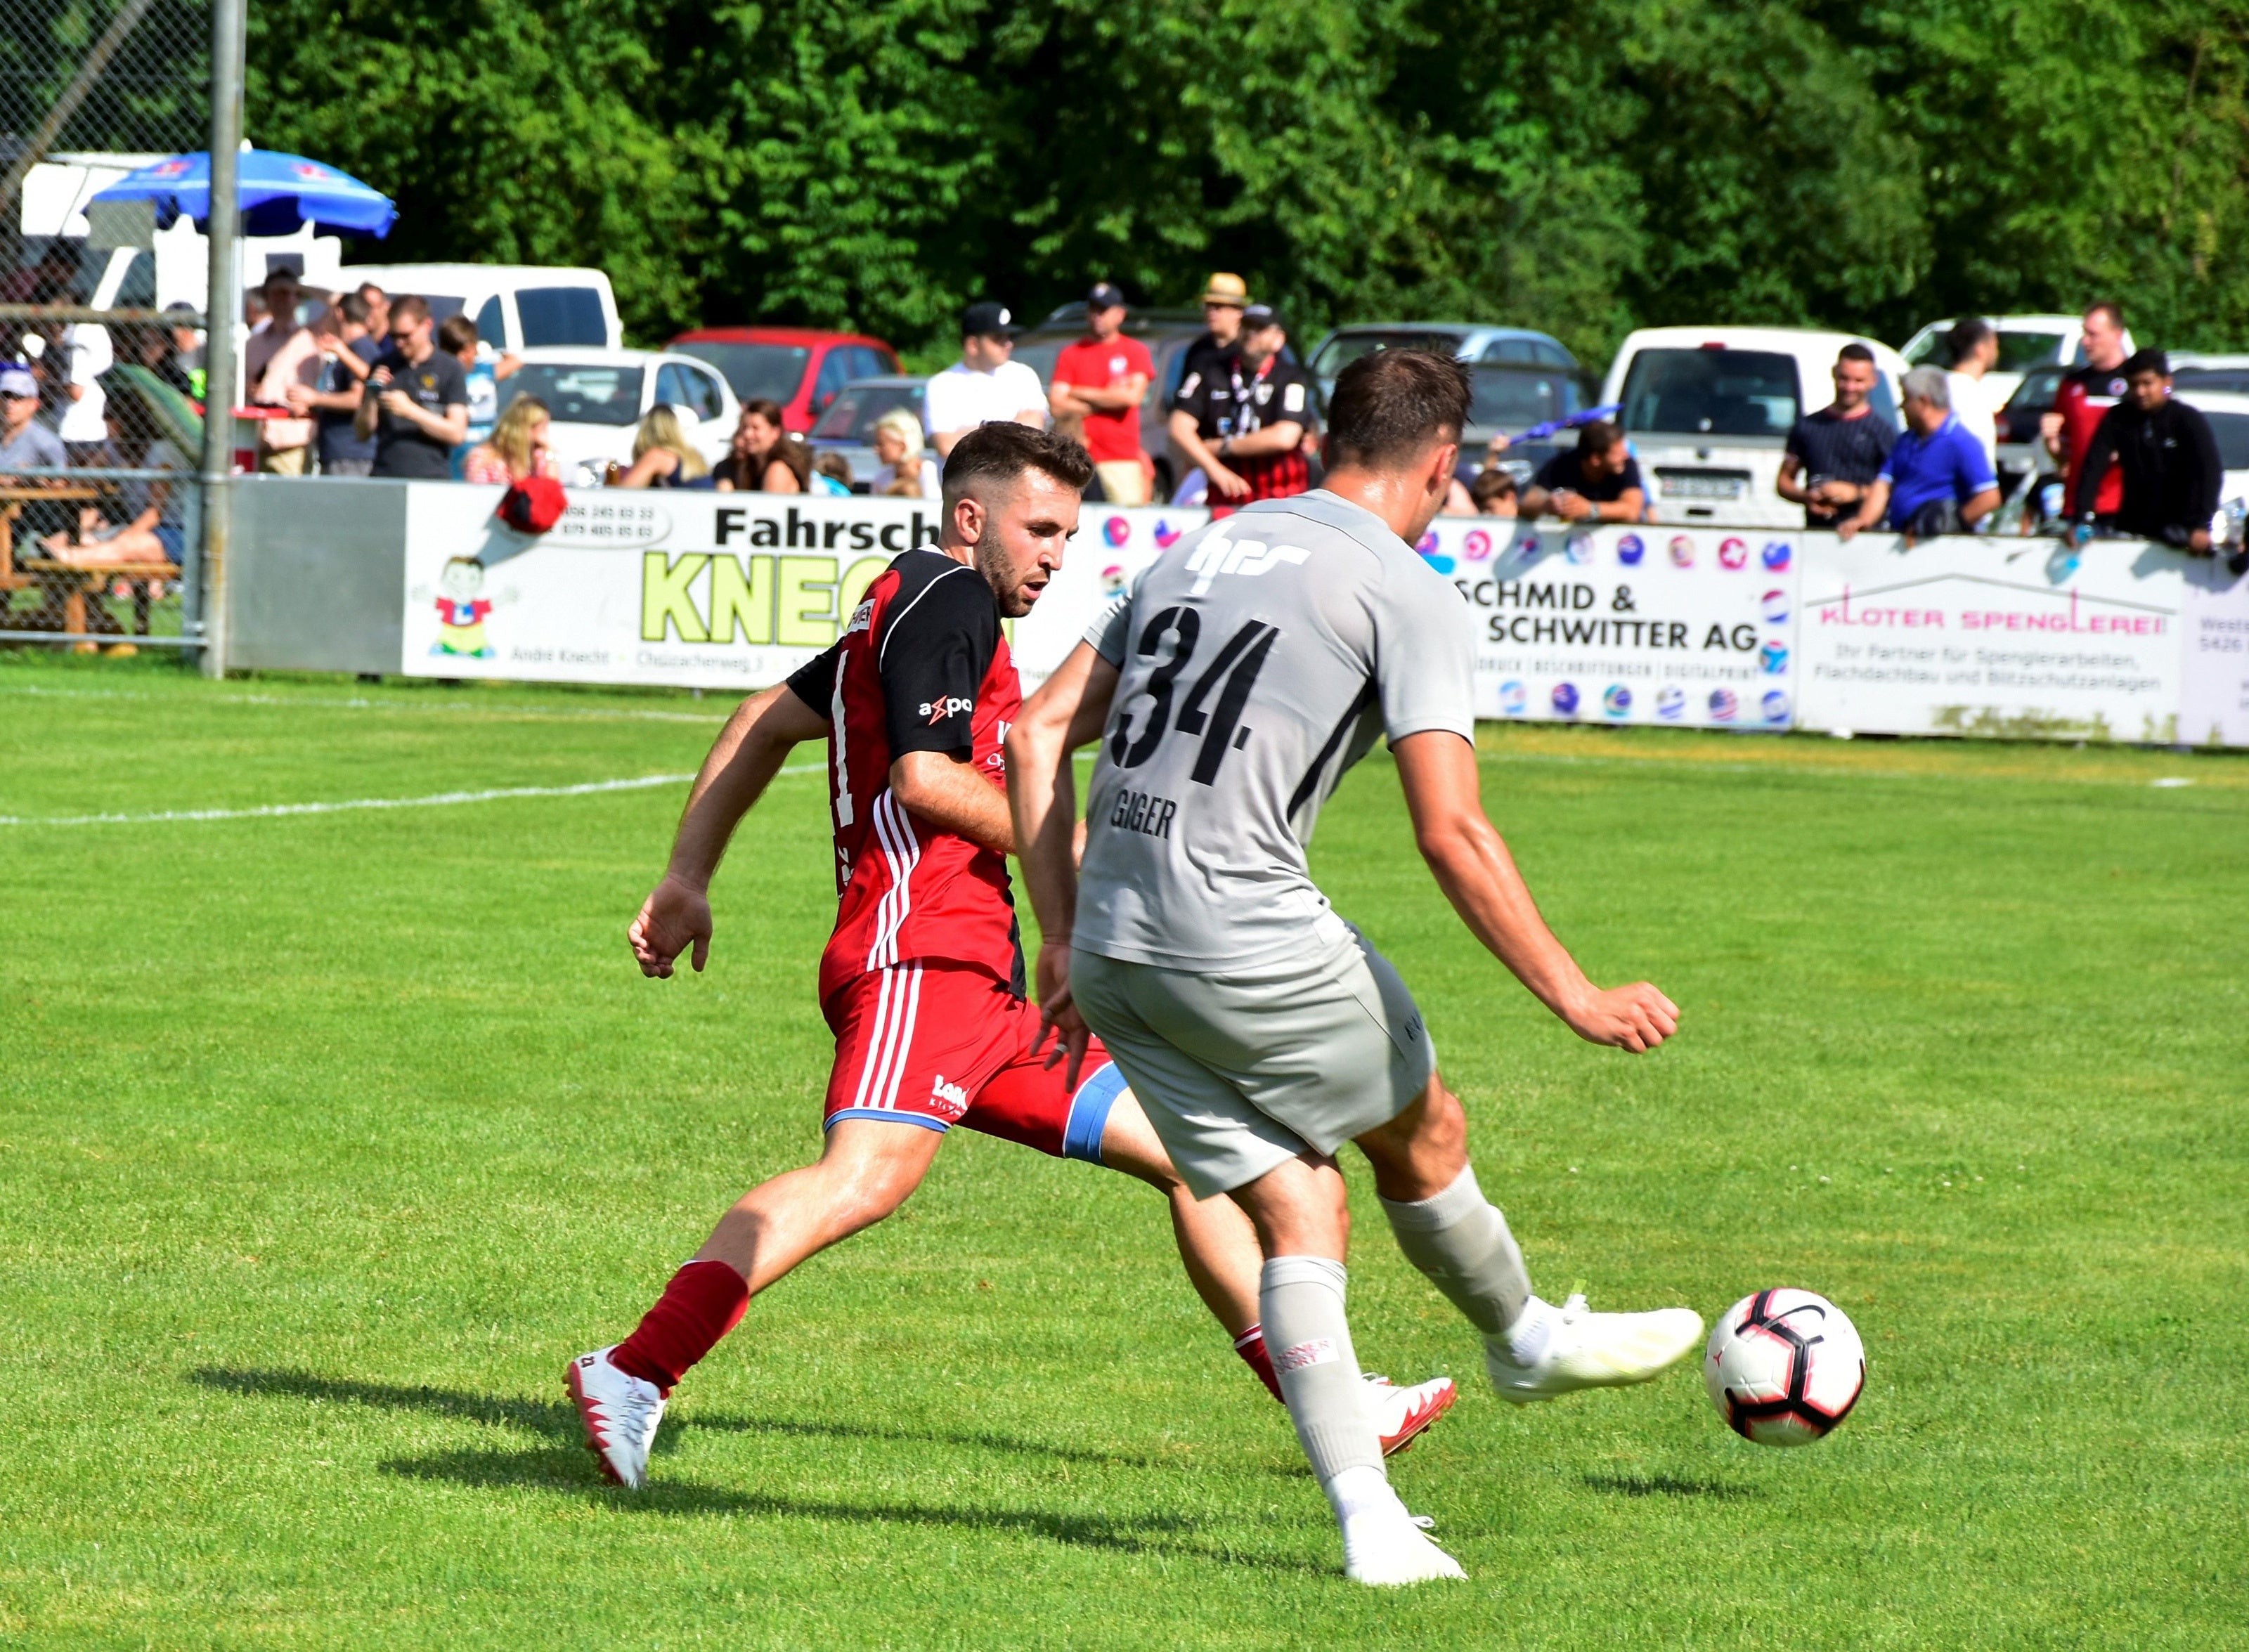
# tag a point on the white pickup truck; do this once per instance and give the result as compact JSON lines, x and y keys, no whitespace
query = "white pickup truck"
{"x":1707,"y":410}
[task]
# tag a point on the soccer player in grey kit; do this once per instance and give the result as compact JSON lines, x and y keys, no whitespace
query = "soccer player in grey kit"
{"x":1230,"y":688}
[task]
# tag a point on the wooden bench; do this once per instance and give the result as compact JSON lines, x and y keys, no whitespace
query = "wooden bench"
{"x":64,"y":607}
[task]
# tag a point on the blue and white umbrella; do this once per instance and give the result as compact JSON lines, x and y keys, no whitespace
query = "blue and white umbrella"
{"x":278,"y":193}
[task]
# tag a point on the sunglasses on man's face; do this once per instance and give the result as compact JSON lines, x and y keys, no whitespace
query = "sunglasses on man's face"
{"x":405,"y":337}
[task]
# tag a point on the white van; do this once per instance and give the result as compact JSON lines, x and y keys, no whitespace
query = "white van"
{"x":515,"y":306}
{"x":1707,"y":410}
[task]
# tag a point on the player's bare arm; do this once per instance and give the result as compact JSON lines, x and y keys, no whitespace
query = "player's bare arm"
{"x":749,"y":751}
{"x":1069,"y":710}
{"x":1437,"y":770}
{"x":949,"y":793}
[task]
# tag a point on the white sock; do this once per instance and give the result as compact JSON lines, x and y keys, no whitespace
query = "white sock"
{"x":1359,"y":1490}
{"x":1533,"y":1329}
{"x":1301,"y":1301}
{"x":1460,"y":1240}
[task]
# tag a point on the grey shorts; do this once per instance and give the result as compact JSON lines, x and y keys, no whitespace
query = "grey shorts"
{"x":1242,"y":1071}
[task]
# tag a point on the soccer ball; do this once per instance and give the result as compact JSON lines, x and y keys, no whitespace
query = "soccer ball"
{"x":1783,"y":1367}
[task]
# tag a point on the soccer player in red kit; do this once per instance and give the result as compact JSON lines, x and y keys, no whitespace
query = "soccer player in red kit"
{"x":922,"y":982}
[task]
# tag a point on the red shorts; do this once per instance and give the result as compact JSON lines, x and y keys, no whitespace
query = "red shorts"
{"x":938,"y":1045}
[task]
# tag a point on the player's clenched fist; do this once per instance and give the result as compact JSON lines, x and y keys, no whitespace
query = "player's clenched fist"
{"x":674,"y":917}
{"x":1637,"y":1017}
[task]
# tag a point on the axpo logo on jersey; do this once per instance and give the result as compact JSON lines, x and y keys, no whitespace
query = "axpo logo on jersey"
{"x":1221,"y":553}
{"x":952,"y":705}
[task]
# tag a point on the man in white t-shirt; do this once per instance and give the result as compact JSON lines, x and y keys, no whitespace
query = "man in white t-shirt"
{"x":1975,"y":347}
{"x":87,"y":347}
{"x":986,"y":386}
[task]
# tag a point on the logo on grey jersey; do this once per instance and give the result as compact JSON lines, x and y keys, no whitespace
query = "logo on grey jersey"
{"x":1221,"y":553}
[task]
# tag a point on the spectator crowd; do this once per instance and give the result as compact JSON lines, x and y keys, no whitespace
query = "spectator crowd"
{"x":366,"y":383}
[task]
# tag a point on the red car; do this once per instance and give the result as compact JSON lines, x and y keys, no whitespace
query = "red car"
{"x":800,"y":368}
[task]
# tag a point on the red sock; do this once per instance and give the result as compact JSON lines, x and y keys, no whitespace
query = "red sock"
{"x":703,"y":1301}
{"x":1251,"y":1344}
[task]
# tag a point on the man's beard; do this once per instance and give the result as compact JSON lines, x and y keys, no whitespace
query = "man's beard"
{"x":1007,"y":590}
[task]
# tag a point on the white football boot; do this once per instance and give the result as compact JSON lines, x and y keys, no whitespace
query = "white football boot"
{"x":1554,"y":1351}
{"x":1401,"y":1414}
{"x":619,"y":1411}
{"x":1383,"y":1545}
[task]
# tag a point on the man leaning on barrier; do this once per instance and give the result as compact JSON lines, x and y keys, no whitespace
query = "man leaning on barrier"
{"x":1938,"y":479}
{"x":2172,"y":471}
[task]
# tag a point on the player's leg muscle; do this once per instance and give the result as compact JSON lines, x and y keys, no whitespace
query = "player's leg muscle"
{"x":1422,"y":1151}
{"x":870,"y":1168}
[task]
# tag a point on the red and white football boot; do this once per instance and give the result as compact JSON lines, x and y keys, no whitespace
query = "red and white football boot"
{"x":1401,"y":1415}
{"x":621,"y":1412}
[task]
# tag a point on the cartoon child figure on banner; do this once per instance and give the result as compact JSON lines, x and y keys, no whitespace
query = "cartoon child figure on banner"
{"x":462,"y":610}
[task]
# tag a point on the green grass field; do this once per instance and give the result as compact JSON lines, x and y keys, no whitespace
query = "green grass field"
{"x":327,"y":1138}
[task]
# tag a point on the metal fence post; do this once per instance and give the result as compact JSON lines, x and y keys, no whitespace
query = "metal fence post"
{"x":208,"y":583}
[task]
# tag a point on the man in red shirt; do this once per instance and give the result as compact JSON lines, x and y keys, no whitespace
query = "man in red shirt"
{"x":2085,"y":398}
{"x":922,"y":981}
{"x":1101,"y":379}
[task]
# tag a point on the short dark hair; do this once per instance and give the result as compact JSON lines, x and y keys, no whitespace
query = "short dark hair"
{"x":412,"y":307}
{"x":2149,"y":360}
{"x":1856,"y":351}
{"x":1003,"y":451}
{"x":1491,"y":484}
{"x":2111,"y":308}
{"x":1597,"y":437}
{"x":1390,"y":405}
{"x":455,"y":334}
{"x":354,"y":309}
{"x":1967,"y":337}
{"x":365,"y":287}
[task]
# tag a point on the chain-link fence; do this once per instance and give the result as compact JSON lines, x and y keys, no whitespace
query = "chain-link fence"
{"x":100,"y":366}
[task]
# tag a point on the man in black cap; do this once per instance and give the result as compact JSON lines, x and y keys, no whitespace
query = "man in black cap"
{"x":986,"y":385}
{"x":1098,"y":384}
{"x":1244,"y":425}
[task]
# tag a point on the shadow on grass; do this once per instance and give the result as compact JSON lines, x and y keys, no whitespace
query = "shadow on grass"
{"x":559,"y":1418}
{"x":572,"y":1472}
{"x":1668,"y":1485}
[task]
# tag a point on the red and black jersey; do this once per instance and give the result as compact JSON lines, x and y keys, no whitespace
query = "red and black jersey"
{"x":922,"y":666}
{"x":2083,"y":400}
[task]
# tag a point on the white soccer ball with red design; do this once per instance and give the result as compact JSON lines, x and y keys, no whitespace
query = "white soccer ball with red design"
{"x":1784,"y":1367}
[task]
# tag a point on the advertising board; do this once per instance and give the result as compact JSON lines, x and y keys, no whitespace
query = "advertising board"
{"x":1695,"y":627}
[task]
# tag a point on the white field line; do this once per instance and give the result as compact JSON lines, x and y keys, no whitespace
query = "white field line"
{"x":435,"y":800}
{"x":1808,"y":771}
{"x":359,"y":703}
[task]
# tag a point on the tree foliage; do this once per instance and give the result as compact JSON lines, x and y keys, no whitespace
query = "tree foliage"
{"x":1584,"y":165}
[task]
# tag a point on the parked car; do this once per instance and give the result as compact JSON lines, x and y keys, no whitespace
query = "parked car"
{"x":2024,"y":464}
{"x":2229,"y":422}
{"x":1707,"y":410}
{"x":2192,"y":371}
{"x":594,"y":399}
{"x":2025,"y":342}
{"x":515,"y":306}
{"x":800,"y":368}
{"x":1468,"y":341}
{"x":848,"y":426}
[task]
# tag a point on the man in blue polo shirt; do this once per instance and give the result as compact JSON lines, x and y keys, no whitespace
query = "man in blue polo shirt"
{"x":1939,"y":479}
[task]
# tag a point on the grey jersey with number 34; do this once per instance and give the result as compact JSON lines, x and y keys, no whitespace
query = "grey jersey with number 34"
{"x":1260,"y":658}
